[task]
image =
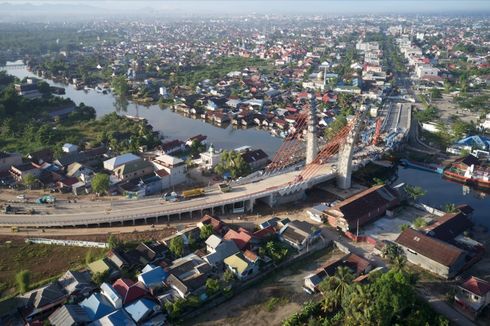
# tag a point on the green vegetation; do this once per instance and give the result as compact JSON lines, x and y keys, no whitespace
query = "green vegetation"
{"x":113,"y":241}
{"x":420,"y":222}
{"x":389,"y":299}
{"x":272,"y":303}
{"x":212,"y":286}
{"x":450,"y":208}
{"x":29,"y":180}
{"x":22,"y":279}
{"x":120,"y":85}
{"x":414,"y":192}
{"x":233,"y":163}
{"x":100,"y":278}
{"x":429,"y":114}
{"x":176,"y":246}
{"x":228,"y":276}
{"x":100,"y":183}
{"x":206,"y":231}
{"x":275,"y":250}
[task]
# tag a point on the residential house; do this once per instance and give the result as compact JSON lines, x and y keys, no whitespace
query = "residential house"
{"x":112,"y":295}
{"x":42,"y":300}
{"x":69,"y":315}
{"x":188,"y":275}
{"x":19,"y":172}
{"x":256,"y":159}
{"x":153,"y":278}
{"x":241,"y":266}
{"x":97,"y":306}
{"x":472,"y":296}
{"x":28,"y":90}
{"x":117,"y":161}
{"x":69,"y":148}
{"x":218,"y":250}
{"x":449,"y":226}
{"x":116,"y":318}
{"x":99,"y":266}
{"x":79,"y":171}
{"x":9,"y":159}
{"x":172,"y":146}
{"x":362,"y":208}
{"x":215,"y":222}
{"x":356,"y":264}
{"x":116,"y":258}
{"x":134,"y":169}
{"x":432,"y":254}
{"x":210,"y":158}
{"x":299,"y":234}
{"x":76,"y":283}
{"x":142,"y":309}
{"x":241,"y":237}
{"x":128,"y":290}
{"x":175,"y":167}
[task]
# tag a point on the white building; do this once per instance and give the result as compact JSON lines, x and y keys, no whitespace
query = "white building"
{"x":175,"y":167}
{"x":210,"y":158}
{"x":69,"y":148}
{"x":426,"y":70}
{"x":117,"y":161}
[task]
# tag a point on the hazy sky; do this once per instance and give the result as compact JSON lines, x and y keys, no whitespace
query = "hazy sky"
{"x":264,"y":6}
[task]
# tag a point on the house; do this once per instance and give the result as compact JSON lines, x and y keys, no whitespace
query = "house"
{"x":256,"y":159}
{"x":128,"y":290}
{"x":223,"y":250}
{"x":117,"y":161}
{"x":116,"y":258}
{"x":153,"y":278}
{"x":175,"y":167}
{"x":212,"y":243}
{"x":69,"y":315}
{"x":9,"y":159}
{"x":210,"y":158}
{"x":116,"y":318}
{"x":299,"y":234}
{"x":241,"y":237}
{"x":141,"y":309}
{"x":172,"y":146}
{"x":472,"y":296}
{"x":79,"y":171}
{"x":99,"y":266}
{"x":97,"y":306}
{"x":432,"y":254}
{"x":28,"y":90}
{"x":188,"y":275}
{"x":241,"y":266}
{"x":215,"y":222}
{"x":19,"y":172}
{"x":449,"y":226}
{"x":133,"y":169}
{"x":356,"y":264}
{"x":69,"y":148}
{"x":76,"y":282}
{"x":40,"y":300}
{"x":111,"y":294}
{"x":198,"y":138}
{"x":362,"y":208}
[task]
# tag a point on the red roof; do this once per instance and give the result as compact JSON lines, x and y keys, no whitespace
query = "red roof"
{"x":214,"y":221}
{"x":265,"y":232}
{"x":129,"y":290}
{"x":477,"y":286}
{"x":241,"y":238}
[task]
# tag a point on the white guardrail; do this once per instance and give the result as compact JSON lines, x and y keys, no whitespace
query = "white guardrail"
{"x":73,"y":243}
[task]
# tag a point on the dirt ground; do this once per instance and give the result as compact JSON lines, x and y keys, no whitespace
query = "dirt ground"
{"x":43,"y":261}
{"x":448,"y":107}
{"x":250,"y":307}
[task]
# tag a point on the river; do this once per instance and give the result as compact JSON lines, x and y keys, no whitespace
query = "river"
{"x":173,"y":125}
{"x":170,"y":124}
{"x":441,"y":191}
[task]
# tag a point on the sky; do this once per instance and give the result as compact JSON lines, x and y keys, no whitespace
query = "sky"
{"x":323,"y":7}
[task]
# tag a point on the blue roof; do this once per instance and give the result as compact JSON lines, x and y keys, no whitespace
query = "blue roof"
{"x":97,"y":306}
{"x":477,"y":141}
{"x":140,"y":309}
{"x":154,"y":276}
{"x":118,"y":317}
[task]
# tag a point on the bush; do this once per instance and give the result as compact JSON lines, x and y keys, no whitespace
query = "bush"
{"x":23,"y":279}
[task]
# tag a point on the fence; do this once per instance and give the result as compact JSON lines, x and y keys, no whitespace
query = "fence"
{"x":74,"y":243}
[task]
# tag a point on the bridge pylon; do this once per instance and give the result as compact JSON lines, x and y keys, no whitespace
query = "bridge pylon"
{"x":311,"y":135}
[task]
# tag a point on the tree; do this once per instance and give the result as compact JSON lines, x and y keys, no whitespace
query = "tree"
{"x":233,"y":163}
{"x":436,"y":93}
{"x":113,"y":241}
{"x":206,"y":231}
{"x":23,"y":279}
{"x":335,"y":288}
{"x":212,"y":286}
{"x":335,"y":127}
{"x":420,"y":222}
{"x":100,"y":183}
{"x":89,"y":257}
{"x":228,"y":276}
{"x":100,"y":278}
{"x":120,"y":85}
{"x":176,"y":246}
{"x":414,"y":192}
{"x":28,"y":180}
{"x":450,"y":208}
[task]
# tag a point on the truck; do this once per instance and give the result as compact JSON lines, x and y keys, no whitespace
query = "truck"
{"x":193,"y":193}
{"x":224,"y":187}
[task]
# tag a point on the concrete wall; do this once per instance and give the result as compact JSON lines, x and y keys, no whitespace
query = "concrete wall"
{"x":433,"y":266}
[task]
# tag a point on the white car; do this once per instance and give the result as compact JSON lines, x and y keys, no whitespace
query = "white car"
{"x":22,"y":197}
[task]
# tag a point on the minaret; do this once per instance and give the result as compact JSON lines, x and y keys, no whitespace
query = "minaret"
{"x":311,"y":136}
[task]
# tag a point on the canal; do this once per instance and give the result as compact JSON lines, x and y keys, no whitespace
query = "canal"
{"x":441,"y":191}
{"x":170,"y":124}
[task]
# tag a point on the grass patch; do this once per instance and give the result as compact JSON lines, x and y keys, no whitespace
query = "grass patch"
{"x":272,"y":303}
{"x":45,"y":263}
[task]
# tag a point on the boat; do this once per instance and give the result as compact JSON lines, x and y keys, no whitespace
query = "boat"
{"x":469,"y":172}
{"x":434,"y":168}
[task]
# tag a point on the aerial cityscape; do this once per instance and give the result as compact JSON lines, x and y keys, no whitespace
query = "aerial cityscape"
{"x":244,"y":162}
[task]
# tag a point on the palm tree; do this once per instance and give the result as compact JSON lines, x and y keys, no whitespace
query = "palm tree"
{"x":335,"y":288}
{"x":357,"y":310}
{"x":414,"y":192}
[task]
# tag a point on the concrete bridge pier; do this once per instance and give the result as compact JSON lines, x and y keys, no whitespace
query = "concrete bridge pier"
{"x":249,"y":205}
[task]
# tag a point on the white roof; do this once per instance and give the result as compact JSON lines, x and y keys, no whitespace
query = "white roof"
{"x":169,"y":160}
{"x":213,"y":241}
{"x":119,"y":160}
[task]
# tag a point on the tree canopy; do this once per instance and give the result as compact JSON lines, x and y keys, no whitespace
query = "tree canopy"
{"x":100,"y":183}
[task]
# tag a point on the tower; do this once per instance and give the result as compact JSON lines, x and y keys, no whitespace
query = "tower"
{"x":311,"y":137}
